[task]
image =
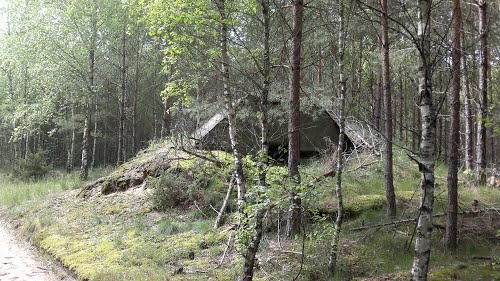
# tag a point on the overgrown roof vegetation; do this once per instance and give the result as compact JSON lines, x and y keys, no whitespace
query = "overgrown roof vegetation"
{"x":133,"y":235}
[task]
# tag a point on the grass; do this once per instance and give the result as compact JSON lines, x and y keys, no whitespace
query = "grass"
{"x":120,"y":237}
{"x":14,"y":192}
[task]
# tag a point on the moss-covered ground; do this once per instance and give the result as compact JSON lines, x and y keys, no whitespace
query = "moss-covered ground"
{"x":121,"y":236}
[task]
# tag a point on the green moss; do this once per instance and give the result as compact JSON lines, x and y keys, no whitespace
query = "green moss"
{"x":352,"y":206}
{"x":466,"y":273}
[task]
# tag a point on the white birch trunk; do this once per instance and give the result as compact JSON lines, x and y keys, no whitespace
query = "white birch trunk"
{"x":426,"y":155}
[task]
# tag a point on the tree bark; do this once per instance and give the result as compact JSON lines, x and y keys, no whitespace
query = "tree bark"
{"x":253,"y":246}
{"x":386,"y":85}
{"x":293,"y":220}
{"x":136,"y":95}
{"x":332,"y":263}
{"x":71,"y":145}
{"x":94,"y":144}
{"x":491,"y":129}
{"x":483,"y":93}
{"x":123,"y":75}
{"x":427,"y":152}
{"x":468,"y":149}
{"x":229,"y":103}
{"x":164,"y":121}
{"x":454,"y":139}
{"x":84,"y":168}
{"x":266,"y":73}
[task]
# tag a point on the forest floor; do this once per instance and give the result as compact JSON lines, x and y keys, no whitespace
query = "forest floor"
{"x":110,"y":230}
{"x":20,"y":261}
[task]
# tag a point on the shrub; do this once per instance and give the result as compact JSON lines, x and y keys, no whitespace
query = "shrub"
{"x":33,"y":167}
{"x":169,"y":191}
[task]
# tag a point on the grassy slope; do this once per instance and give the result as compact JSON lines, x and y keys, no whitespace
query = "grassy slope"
{"x":119,"y":237}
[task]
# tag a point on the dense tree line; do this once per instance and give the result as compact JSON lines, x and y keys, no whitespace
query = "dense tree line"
{"x":91,"y":82}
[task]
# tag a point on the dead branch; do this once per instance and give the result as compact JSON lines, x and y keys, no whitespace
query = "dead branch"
{"x":467,"y":213}
{"x":225,"y":250}
{"x":215,"y":161}
{"x":218,"y":220}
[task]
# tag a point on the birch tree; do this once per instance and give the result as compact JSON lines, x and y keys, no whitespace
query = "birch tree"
{"x":426,"y":155}
{"x":332,"y":263}
{"x":483,"y":93}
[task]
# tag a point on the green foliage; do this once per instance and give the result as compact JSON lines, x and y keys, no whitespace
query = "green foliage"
{"x":33,"y":167}
{"x":169,"y":191}
{"x":166,"y":226}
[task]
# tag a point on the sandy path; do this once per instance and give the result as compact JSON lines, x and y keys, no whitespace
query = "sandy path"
{"x":18,"y":260}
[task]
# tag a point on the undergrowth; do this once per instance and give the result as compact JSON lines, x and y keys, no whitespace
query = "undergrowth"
{"x":127,"y":236}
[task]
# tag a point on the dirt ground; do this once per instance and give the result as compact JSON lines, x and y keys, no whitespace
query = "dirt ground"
{"x":19,"y":261}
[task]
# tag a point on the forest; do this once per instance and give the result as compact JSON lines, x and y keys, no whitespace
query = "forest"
{"x":301,"y":130}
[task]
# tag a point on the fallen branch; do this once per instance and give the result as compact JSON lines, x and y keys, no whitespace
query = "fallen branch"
{"x":225,"y":250}
{"x":215,"y":161}
{"x":482,"y":258}
{"x":218,"y":220}
{"x":467,"y":213}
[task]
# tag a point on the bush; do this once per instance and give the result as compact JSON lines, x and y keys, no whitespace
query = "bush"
{"x":33,"y":167}
{"x":169,"y":191}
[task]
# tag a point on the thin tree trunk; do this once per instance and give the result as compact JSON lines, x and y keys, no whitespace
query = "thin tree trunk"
{"x":491,"y":129}
{"x":401,"y":106}
{"x":454,"y":139}
{"x":71,"y":148}
{"x":378,"y":99}
{"x":136,"y":94}
{"x":253,"y":246}
{"x":123,"y":72}
{"x":386,"y":82}
{"x":218,"y":220}
{"x":84,"y":168}
{"x":266,"y":73}
{"x":94,"y":145}
{"x":229,"y":103}
{"x":293,"y":220}
{"x":468,"y":150}
{"x":164,"y":121}
{"x":483,"y":93}
{"x":427,"y":152}
{"x":332,"y":263}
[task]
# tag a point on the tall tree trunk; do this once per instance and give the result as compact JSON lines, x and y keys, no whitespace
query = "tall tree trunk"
{"x":469,"y":136}
{"x":84,"y":168}
{"x":454,"y":139}
{"x":253,"y":246}
{"x":71,"y":145}
{"x":164,"y":121}
{"x":378,"y":103}
{"x":229,"y":103}
{"x":136,"y":95}
{"x":401,"y":105}
{"x":293,"y":220}
{"x":332,"y":263}
{"x":94,"y":145}
{"x":266,"y":73}
{"x":123,"y":88}
{"x":386,"y":82}
{"x":427,"y":152}
{"x":491,"y":129}
{"x":407,"y":123}
{"x":483,"y":93}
